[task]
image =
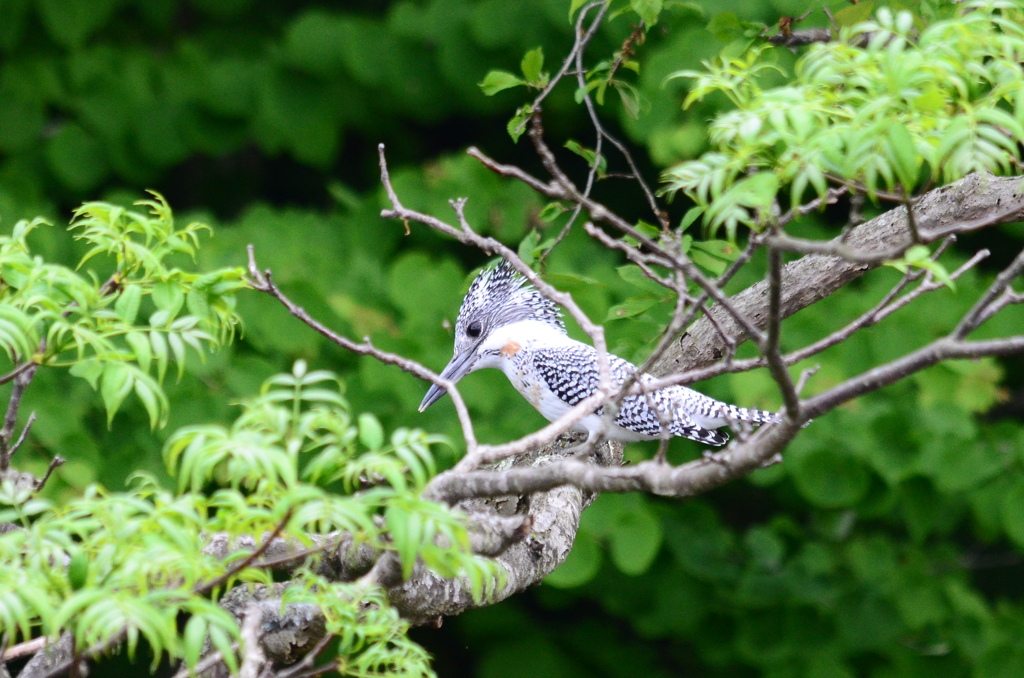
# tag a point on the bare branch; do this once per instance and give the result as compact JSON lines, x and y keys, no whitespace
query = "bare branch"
{"x":253,"y":658}
{"x":24,"y":649}
{"x":921,"y":231}
{"x":303,"y":667}
{"x":262,"y":282}
{"x":770,"y":346}
{"x":22,"y":378}
{"x":55,"y":463}
{"x":802,"y":37}
{"x":17,"y":370}
{"x":947,"y":348}
{"x":989,"y":303}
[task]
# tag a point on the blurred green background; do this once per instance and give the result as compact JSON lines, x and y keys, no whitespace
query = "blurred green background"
{"x":890,"y":541}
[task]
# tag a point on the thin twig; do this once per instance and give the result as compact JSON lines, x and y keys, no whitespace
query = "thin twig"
{"x":602,"y":133}
{"x":582,"y":39}
{"x":262,"y":282}
{"x":22,"y":649}
{"x":202,"y":589}
{"x":21,"y":382}
{"x":206,"y":663}
{"x":980,"y":311}
{"x":17,"y":370}
{"x":55,"y":463}
{"x":309,"y":659}
{"x":770,"y":347}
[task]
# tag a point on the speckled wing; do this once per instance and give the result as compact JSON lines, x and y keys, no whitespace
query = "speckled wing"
{"x":572,"y":375}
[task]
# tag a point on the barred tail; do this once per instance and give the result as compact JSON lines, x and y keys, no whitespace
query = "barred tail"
{"x":752,"y":415}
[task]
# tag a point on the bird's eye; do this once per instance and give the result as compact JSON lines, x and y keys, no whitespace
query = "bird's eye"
{"x":474,"y":329}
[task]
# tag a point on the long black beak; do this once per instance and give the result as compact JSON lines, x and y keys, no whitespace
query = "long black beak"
{"x":458,"y":367}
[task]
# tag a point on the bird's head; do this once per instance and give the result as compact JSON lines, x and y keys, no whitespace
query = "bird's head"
{"x":497,"y":298}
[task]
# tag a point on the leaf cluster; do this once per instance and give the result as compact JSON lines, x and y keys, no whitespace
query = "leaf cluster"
{"x":120,"y":323}
{"x":889,"y":108}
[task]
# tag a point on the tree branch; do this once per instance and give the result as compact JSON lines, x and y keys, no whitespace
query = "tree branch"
{"x":973,"y":200}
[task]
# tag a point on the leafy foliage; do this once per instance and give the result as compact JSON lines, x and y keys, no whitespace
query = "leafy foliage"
{"x":121,"y":334}
{"x":890,"y":107}
{"x":128,"y":565}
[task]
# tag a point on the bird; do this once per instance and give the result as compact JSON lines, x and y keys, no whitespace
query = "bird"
{"x":508,"y":324}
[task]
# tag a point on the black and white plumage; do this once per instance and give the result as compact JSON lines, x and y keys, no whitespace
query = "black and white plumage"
{"x":507,"y":324}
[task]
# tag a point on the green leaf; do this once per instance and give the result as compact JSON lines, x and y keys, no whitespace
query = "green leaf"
{"x":178,"y":350}
{"x":78,"y":570}
{"x":139,"y":343}
{"x":371,"y":433}
{"x":90,"y":369}
{"x":632,"y":101}
{"x":552,"y":211}
{"x":527,"y":246}
{"x":153,"y":400}
{"x":496,"y":81}
{"x":115,"y":385}
{"x":194,"y":639}
{"x":630,"y":307}
{"x":854,"y":14}
{"x":127,"y":304}
{"x":517,"y":125}
{"x":903,"y":155}
{"x":725,"y":26}
{"x":532,"y":64}
{"x":648,"y":10}
{"x":160,"y":352}
{"x":590,"y":156}
{"x":635,"y":277}
{"x":168,"y":297}
{"x":713,"y":255}
{"x":406,"y":530}
{"x":575,"y":5}
{"x":691,"y":216}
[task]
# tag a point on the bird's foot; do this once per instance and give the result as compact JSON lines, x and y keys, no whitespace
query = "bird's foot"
{"x":721,"y":458}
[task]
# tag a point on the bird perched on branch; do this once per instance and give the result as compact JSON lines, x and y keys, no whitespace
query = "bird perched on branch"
{"x":507,"y":324}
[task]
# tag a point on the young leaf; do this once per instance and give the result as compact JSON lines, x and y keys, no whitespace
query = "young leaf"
{"x":115,"y":385}
{"x":517,"y":125}
{"x":531,"y":65}
{"x":527,"y":246}
{"x":631,"y":307}
{"x":903,"y":156}
{"x":496,"y":81}
{"x":589,"y":155}
{"x":371,"y":433}
{"x":648,"y":10}
{"x":127,"y":305}
{"x":575,"y":5}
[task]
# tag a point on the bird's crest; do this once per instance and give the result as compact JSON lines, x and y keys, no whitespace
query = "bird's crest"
{"x":500,"y":296}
